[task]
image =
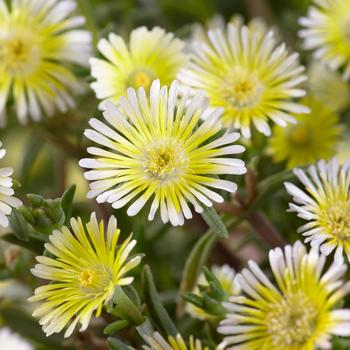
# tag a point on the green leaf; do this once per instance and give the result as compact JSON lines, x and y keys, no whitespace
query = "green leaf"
{"x":19,"y":226}
{"x":67,"y":202}
{"x":155,"y":307}
{"x":146,"y":328}
{"x":35,"y":245}
{"x":116,"y":344}
{"x":116,"y":326}
{"x":212,"y":218}
{"x":194,"y":264}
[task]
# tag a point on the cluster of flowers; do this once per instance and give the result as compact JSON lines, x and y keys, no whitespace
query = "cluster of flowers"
{"x":171,"y":117}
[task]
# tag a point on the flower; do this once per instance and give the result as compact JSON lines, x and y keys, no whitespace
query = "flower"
{"x":315,"y":136}
{"x":247,"y":73}
{"x":87,"y":266}
{"x":149,"y":55}
{"x":325,"y":204}
{"x":11,"y":341}
{"x":328,"y":87}
{"x":160,"y":150}
{"x":157,"y":342}
{"x":37,"y":38}
{"x":226,"y":276}
{"x":327,"y":32}
{"x":298,"y":314}
{"x":7,"y":201}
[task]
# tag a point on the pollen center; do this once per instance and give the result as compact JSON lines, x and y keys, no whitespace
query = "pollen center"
{"x":299,"y":135}
{"x":87,"y":277}
{"x":291,"y":321}
{"x":243,"y":90}
{"x":165,"y":161}
{"x":141,"y":79}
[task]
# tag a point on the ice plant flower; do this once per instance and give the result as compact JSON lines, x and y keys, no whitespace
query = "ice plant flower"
{"x":327,"y":32}
{"x":149,"y":55}
{"x":226,"y":276}
{"x":86,"y":267}
{"x":157,"y":149}
{"x":245,"y":71}
{"x":157,"y":342}
{"x":299,"y":313}
{"x":325,"y":203}
{"x":38,"y":39}
{"x":7,"y":200}
{"x":11,"y":341}
{"x":315,"y":136}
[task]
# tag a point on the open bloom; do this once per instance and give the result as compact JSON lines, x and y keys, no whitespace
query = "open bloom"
{"x":156,"y":149}
{"x":244,"y":70}
{"x":11,"y":341}
{"x":298,"y":314}
{"x":325,"y":204}
{"x":38,"y":38}
{"x":327,"y":32}
{"x":86,"y":267}
{"x":227,"y":278}
{"x":157,"y":342}
{"x":149,"y":55}
{"x":7,"y":200}
{"x":315,"y":136}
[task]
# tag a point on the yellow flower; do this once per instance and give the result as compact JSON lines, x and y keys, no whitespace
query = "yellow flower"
{"x":38,"y":37}
{"x":86,"y":268}
{"x":149,"y":55}
{"x":157,"y":149}
{"x":313,"y":137}
{"x":328,"y":33}
{"x":325,"y":204}
{"x":157,"y":342}
{"x":300,"y":313}
{"x":244,"y":70}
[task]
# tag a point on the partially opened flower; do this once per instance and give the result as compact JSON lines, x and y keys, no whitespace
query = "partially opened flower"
{"x":87,"y":265}
{"x":325,"y":203}
{"x":158,"y":150}
{"x":157,"y":342}
{"x":12,"y":341}
{"x":299,"y":312}
{"x":38,"y":39}
{"x":7,"y":200}
{"x":244,"y":70}
{"x":315,"y":136}
{"x":327,"y":32}
{"x":149,"y":55}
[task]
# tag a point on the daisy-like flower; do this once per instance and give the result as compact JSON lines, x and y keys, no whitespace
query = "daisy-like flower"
{"x":7,"y":200}
{"x":327,"y":32}
{"x":38,"y":38}
{"x":245,"y":71}
{"x":149,"y":55}
{"x":226,"y":276}
{"x":11,"y":341}
{"x":315,"y":136}
{"x":325,"y":204}
{"x":157,"y":342}
{"x":299,"y":313}
{"x":156,"y":149}
{"x":87,"y":266}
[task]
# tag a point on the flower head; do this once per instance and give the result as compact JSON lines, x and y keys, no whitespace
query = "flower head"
{"x":244,"y":70}
{"x":11,"y":341}
{"x":87,"y":267}
{"x":226,"y":276}
{"x":149,"y":55}
{"x":37,"y":38}
{"x":157,"y":342}
{"x":327,"y":31}
{"x":325,"y":204}
{"x":158,"y":150}
{"x":313,"y":137}
{"x":7,"y":201}
{"x":297,"y":314}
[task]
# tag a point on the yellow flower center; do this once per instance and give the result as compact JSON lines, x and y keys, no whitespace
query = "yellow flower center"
{"x":87,"y":277}
{"x":18,"y":55}
{"x":141,"y":79}
{"x":291,"y":322}
{"x":243,"y":90}
{"x":299,"y":135}
{"x":165,"y":161}
{"x":335,"y":219}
